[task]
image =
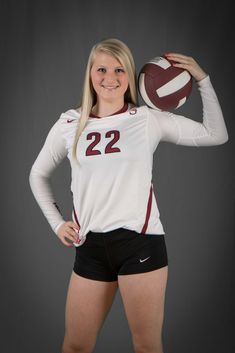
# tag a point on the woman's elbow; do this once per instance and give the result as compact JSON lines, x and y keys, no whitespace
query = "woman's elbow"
{"x":220,"y":140}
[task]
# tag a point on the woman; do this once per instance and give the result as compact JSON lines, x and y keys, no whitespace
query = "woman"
{"x":115,"y":224}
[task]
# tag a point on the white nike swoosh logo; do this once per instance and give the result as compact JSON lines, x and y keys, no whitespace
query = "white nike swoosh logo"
{"x":145,"y":259}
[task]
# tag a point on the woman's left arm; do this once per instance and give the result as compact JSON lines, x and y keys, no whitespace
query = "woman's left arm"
{"x":181,"y":130}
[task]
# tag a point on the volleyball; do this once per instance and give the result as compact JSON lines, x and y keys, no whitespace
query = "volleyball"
{"x":163,"y":86}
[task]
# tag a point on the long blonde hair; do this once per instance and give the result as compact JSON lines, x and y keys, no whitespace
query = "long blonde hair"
{"x":122,"y":53}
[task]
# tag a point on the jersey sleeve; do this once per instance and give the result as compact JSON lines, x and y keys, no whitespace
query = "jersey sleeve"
{"x":170,"y":127}
{"x":51,"y":155}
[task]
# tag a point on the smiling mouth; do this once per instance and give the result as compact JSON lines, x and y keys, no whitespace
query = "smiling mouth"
{"x":110,"y":87}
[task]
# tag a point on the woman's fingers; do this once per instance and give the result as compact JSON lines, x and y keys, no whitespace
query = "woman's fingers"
{"x":65,"y":242}
{"x":68,"y":231}
{"x":74,"y":227}
{"x":188,"y":63}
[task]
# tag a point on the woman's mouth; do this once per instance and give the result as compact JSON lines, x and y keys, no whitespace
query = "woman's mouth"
{"x":110,"y":87}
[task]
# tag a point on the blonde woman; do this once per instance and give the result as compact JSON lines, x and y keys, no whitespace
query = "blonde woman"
{"x":115,"y":227}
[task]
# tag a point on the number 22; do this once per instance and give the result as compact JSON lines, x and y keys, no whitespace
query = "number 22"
{"x":90,"y":151}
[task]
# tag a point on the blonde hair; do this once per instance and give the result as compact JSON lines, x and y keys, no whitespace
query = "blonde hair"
{"x":122,"y":53}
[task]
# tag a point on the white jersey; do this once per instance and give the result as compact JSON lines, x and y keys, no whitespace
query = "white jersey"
{"x":112,"y":185}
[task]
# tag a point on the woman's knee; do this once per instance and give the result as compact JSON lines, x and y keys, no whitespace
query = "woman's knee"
{"x":147,"y":344}
{"x":77,"y":347}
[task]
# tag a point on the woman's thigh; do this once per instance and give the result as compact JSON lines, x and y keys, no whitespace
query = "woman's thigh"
{"x":88,"y":303}
{"x":143,"y":296}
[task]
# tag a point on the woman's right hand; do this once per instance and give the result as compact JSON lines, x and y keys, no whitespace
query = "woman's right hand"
{"x":68,"y":231}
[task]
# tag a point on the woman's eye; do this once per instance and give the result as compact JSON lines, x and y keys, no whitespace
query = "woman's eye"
{"x":120,"y":70}
{"x":101,"y":69}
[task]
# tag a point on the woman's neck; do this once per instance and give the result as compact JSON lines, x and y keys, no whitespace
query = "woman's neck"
{"x":107,"y":108}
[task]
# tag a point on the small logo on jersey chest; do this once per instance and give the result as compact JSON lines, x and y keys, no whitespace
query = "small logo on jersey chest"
{"x":133,"y":111}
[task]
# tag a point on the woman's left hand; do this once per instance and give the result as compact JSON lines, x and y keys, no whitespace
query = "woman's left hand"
{"x":188,"y":63}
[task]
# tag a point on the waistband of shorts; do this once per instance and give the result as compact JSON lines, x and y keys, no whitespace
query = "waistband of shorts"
{"x":113,"y":231}
{"x":121,"y":231}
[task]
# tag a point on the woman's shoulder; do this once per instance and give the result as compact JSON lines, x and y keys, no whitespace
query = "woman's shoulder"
{"x":145,"y":109}
{"x":70,"y":115}
{"x":68,"y":125}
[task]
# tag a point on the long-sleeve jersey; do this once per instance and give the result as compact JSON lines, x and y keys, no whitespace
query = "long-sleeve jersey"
{"x":112,"y":184}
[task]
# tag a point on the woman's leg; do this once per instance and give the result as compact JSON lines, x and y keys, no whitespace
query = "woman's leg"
{"x":143,"y":296}
{"x":88,"y":303}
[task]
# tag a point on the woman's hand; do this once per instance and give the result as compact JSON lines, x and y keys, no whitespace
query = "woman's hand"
{"x":188,"y":63}
{"x":68,"y":230}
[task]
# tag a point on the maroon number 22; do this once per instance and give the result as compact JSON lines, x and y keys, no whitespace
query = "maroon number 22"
{"x":109,"y":148}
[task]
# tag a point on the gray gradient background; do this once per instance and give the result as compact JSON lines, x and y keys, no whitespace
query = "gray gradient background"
{"x":44,"y":49}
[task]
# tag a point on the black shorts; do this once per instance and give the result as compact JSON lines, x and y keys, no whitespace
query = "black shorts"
{"x":104,"y":256}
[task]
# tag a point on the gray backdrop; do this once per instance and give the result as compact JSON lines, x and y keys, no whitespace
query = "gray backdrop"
{"x":44,"y":50}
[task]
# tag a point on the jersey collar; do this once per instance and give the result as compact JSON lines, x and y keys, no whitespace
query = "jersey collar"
{"x":122,"y":110}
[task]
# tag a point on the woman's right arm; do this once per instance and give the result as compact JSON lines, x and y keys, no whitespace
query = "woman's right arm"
{"x":50,"y":156}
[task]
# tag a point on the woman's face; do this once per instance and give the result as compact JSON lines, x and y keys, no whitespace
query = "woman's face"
{"x":109,"y":78}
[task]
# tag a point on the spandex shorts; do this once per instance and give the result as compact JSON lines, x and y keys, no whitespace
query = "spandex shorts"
{"x":104,"y":256}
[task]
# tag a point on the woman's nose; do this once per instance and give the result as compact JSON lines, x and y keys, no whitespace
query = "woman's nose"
{"x":110,"y":77}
